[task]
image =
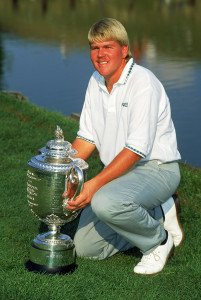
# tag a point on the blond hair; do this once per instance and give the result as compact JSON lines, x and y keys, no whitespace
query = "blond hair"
{"x":109,"y":29}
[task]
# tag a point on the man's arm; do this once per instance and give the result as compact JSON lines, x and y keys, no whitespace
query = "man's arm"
{"x":83,"y":147}
{"x":120,"y":165}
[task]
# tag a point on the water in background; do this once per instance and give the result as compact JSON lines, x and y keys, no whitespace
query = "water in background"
{"x":44,"y":54}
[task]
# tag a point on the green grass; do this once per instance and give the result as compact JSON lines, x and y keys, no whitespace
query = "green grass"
{"x":24,"y":128}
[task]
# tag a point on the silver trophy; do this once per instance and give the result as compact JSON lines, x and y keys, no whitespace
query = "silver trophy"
{"x":49,"y":174}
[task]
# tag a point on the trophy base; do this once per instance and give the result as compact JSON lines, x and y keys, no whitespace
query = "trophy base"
{"x":33,"y":267}
{"x":52,"y":253}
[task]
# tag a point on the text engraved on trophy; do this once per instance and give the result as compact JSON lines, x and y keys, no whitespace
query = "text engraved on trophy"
{"x":31,"y":175}
{"x":53,"y":255}
{"x":32,"y":189}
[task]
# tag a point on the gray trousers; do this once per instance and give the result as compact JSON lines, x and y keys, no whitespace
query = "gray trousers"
{"x":121,"y":217}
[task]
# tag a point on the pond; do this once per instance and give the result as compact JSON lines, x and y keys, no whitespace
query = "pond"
{"x":44,"y":54}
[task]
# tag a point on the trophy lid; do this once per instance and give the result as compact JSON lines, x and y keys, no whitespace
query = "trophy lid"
{"x":59,"y":147}
{"x":57,"y":156}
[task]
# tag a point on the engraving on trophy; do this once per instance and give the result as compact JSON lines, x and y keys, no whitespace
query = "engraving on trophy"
{"x":31,"y":189}
{"x":55,"y":256}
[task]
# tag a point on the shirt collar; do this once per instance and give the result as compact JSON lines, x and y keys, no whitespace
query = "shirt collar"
{"x":124,"y":75}
{"x":126,"y":71}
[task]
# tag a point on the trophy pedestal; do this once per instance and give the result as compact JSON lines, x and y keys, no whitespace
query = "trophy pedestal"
{"x":52,"y":253}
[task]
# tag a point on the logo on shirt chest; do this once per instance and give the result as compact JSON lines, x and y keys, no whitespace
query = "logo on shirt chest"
{"x":124,"y":104}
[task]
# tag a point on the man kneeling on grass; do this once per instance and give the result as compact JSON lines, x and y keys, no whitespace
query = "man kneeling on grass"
{"x":126,"y":116}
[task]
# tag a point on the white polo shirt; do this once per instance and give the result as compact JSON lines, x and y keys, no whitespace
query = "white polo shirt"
{"x":136,"y":115}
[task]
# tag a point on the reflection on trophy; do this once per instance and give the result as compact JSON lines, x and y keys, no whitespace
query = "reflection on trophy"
{"x":49,"y":174}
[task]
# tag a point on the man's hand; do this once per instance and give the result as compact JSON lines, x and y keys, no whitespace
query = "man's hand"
{"x":84,"y":198}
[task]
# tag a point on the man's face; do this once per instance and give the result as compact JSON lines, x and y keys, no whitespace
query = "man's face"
{"x":108,"y":58}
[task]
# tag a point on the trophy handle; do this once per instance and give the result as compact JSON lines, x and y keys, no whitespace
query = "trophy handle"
{"x":74,"y":179}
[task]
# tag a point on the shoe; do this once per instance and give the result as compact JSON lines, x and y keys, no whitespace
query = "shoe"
{"x":171,"y":222}
{"x":155,"y":261}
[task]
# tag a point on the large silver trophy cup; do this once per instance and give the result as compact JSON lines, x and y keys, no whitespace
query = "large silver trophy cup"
{"x":49,"y":174}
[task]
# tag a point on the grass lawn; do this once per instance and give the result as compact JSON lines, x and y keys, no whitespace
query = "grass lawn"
{"x":24,"y":128}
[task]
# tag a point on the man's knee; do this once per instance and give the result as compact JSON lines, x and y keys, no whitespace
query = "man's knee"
{"x":87,"y":247}
{"x":82,"y":246}
{"x":102,"y":206}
